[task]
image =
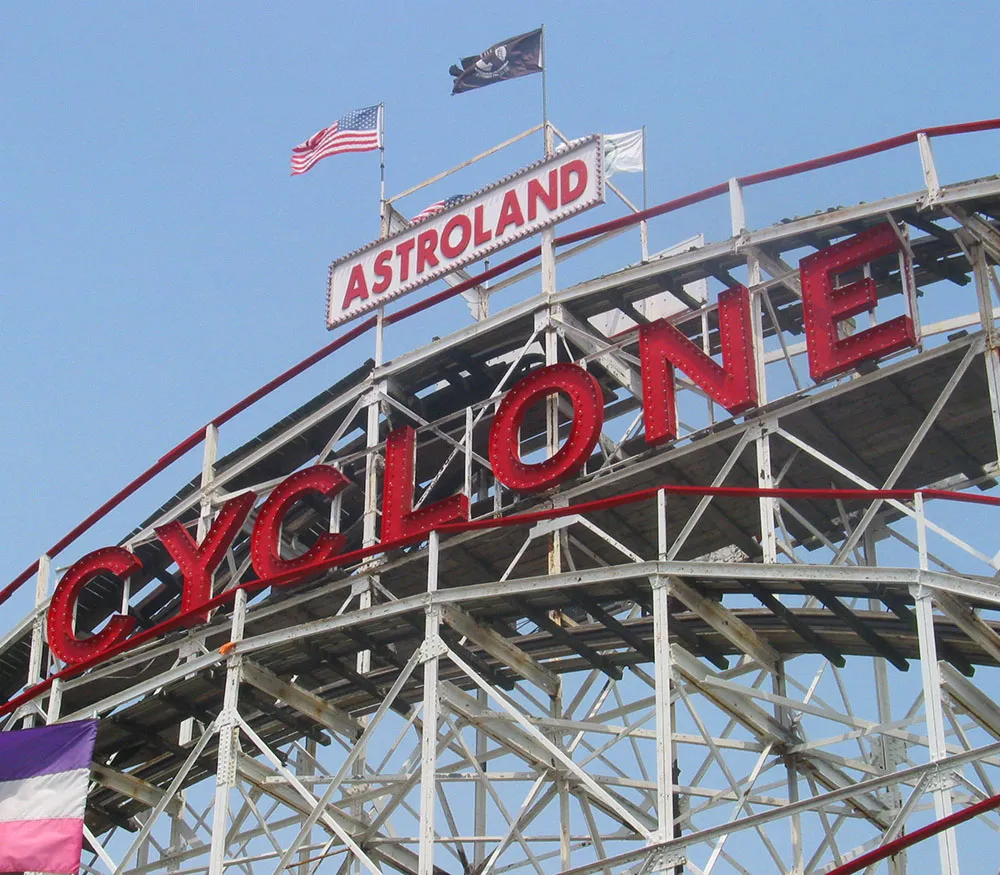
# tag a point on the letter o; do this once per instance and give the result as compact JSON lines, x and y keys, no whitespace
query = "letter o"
{"x":584,"y":393}
{"x":448,"y":250}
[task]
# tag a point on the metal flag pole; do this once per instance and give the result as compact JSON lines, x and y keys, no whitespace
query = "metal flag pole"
{"x":548,"y":234}
{"x":383,"y":213}
{"x":642,"y":225}
{"x":547,"y":130}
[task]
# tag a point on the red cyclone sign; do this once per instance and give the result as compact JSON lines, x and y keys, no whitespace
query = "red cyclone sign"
{"x":662,"y":348}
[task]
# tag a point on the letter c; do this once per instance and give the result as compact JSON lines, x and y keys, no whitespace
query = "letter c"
{"x":265,"y":541}
{"x":60,"y":620}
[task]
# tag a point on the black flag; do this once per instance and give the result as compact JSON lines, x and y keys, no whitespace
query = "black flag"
{"x":509,"y":59}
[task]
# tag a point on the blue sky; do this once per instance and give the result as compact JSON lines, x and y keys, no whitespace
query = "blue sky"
{"x":159,"y":263}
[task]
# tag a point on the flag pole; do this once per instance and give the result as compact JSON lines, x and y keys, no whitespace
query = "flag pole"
{"x":642,"y":225}
{"x":383,"y":213}
{"x":547,"y":131}
{"x":548,"y":234}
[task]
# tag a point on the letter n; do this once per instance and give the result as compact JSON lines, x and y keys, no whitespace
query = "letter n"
{"x":733,"y":384}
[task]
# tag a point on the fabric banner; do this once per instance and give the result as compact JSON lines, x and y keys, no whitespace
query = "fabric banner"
{"x":44,"y":774}
{"x":623,"y":153}
{"x":509,"y":59}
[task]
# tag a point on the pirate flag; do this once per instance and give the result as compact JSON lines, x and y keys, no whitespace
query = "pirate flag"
{"x":508,"y":59}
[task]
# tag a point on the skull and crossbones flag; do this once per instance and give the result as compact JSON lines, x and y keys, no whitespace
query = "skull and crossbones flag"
{"x":508,"y":59}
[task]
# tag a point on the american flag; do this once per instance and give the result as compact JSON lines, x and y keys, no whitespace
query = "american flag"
{"x":358,"y":131}
{"x":438,"y":207}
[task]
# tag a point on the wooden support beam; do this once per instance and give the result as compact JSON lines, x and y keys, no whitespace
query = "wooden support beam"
{"x":593,"y":607}
{"x":186,"y":707}
{"x":800,"y":627}
{"x":726,"y":624}
{"x":971,"y":699}
{"x":865,"y":632}
{"x":980,"y":632}
{"x":501,"y":649}
{"x":135,"y":788}
{"x":541,"y":619}
{"x":349,"y":673}
{"x":738,"y":706}
{"x":895,"y":604}
{"x":692,"y":641}
{"x":303,"y":701}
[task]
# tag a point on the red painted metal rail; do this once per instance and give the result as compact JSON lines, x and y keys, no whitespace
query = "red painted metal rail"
{"x":300,"y":575}
{"x":361,"y":328}
{"x":918,"y":835}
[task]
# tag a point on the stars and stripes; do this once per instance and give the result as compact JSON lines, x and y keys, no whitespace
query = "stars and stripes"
{"x":358,"y":131}
{"x":438,"y":207}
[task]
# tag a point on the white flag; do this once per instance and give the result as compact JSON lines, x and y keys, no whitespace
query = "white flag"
{"x":623,"y":153}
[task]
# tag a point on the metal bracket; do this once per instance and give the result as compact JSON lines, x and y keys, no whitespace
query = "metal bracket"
{"x":432,"y":648}
{"x":660,"y":860}
{"x":921,"y":592}
{"x":660,"y":582}
{"x":543,"y":318}
{"x":888,"y":751}
{"x":228,"y":756}
{"x":546,"y":527}
{"x":765,"y":427}
{"x":945,"y":779}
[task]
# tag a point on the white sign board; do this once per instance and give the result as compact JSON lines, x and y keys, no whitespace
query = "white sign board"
{"x":510,"y":210}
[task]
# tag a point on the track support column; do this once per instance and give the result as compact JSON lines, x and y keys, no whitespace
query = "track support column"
{"x":930,"y":676}
{"x":931,"y":679}
{"x":433,"y":647}
{"x":664,"y":717}
{"x":35,"y":666}
{"x":666,"y":761}
{"x":228,"y":726}
{"x":983,"y":275}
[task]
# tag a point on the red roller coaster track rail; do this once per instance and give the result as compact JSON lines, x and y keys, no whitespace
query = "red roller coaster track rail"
{"x":889,"y":849}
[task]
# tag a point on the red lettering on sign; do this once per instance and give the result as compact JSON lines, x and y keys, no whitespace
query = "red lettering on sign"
{"x":583,"y":392}
{"x":733,"y":384}
{"x":60,"y":622}
{"x":480,"y":235}
{"x":399,"y":519}
{"x":197,"y":562}
{"x":464,"y":226}
{"x":537,"y":193}
{"x":357,"y":287}
{"x":265,"y":541}
{"x":383,"y":270}
{"x":510,"y":212}
{"x":403,"y":250}
{"x":824,"y":306}
{"x":426,"y":242}
{"x":572,"y":180}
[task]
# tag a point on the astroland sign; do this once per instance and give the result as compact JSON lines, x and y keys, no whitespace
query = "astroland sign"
{"x":510,"y":210}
